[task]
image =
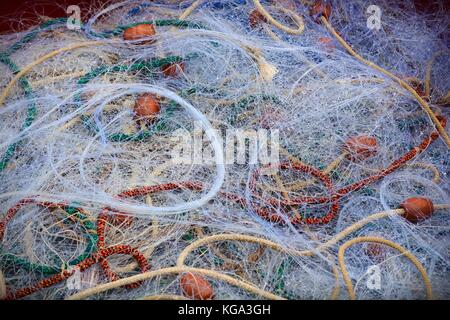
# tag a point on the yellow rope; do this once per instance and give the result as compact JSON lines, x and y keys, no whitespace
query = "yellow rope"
{"x":337,"y":287}
{"x":402,"y":83}
{"x":433,"y":169}
{"x":46,"y":81}
{"x":228,"y":263}
{"x":180,"y":268}
{"x":190,"y":9}
{"x":26,"y":69}
{"x":403,"y":251}
{"x":175,"y":270}
{"x":277,"y":247}
{"x":297,"y":19}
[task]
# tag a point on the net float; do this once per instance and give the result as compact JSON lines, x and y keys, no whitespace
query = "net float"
{"x":147,"y":106}
{"x":417,"y":209}
{"x":140,"y":31}
{"x":197,"y":287}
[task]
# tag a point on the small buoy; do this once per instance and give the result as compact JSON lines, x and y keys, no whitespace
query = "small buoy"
{"x":147,"y":106}
{"x":255,"y":18}
{"x":195,"y":286}
{"x":361,"y":147}
{"x":173,"y":69}
{"x":140,"y":31}
{"x":320,"y":9}
{"x":417,"y":209}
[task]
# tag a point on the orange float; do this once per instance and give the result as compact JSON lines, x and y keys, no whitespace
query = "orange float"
{"x":147,"y":106}
{"x":140,"y":31}
{"x":417,"y":209}
{"x":195,"y":286}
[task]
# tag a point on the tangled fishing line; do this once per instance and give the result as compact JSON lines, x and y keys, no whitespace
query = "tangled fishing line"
{"x":95,"y":204}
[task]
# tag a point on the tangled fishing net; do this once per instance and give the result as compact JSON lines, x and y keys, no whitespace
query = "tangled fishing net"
{"x":351,"y":202}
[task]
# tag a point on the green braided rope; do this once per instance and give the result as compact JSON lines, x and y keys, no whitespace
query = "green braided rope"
{"x":280,"y":288}
{"x":91,"y":238}
{"x":139,"y":65}
{"x":157,"y":127}
{"x":31,"y":111}
{"x":159,"y":23}
{"x":24,"y":84}
{"x":32,"y":34}
{"x":140,"y":136}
